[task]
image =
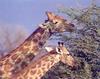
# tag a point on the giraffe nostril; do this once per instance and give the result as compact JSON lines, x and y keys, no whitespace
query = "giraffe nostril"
{"x":74,"y":66}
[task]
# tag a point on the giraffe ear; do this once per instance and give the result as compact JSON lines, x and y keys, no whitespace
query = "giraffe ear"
{"x":60,"y":43}
{"x":49,"y":49}
{"x":50,"y":15}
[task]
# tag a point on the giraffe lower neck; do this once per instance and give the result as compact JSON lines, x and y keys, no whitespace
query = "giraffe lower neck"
{"x":40,"y":36}
{"x":37,"y":69}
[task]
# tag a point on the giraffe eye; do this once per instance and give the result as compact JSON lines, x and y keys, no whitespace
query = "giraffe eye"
{"x":56,"y":22}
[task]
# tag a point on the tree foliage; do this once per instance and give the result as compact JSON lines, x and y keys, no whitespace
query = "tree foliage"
{"x":84,"y":44}
{"x":11,"y":37}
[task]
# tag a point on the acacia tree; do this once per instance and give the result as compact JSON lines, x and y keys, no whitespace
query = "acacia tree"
{"x":85,"y":43}
{"x":11,"y":37}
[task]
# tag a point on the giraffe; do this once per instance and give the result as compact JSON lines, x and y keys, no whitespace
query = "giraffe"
{"x":38,"y":68}
{"x":20,"y":57}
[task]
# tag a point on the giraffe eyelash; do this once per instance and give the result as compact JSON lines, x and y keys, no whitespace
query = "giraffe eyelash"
{"x":55,"y":22}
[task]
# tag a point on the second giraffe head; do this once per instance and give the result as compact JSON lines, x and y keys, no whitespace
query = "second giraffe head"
{"x":63,"y":54}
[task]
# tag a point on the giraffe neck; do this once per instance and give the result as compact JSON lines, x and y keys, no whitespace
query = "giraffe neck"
{"x":40,"y":35}
{"x":23,"y":55}
{"x":38,"y":68}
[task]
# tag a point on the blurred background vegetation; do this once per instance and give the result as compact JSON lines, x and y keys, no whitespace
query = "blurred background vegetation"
{"x":84,"y":44}
{"x":11,"y":38}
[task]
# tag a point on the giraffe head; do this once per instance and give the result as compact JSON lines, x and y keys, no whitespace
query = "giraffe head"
{"x":60,"y":24}
{"x":64,"y":55}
